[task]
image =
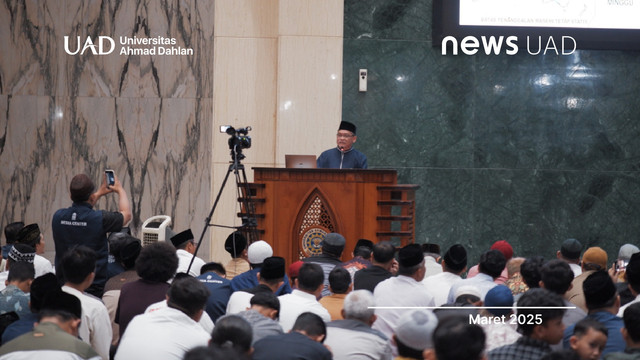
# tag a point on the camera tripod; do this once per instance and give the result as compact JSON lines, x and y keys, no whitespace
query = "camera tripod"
{"x":243,"y":192}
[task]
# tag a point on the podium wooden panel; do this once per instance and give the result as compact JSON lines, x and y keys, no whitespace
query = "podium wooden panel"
{"x":294,"y":207}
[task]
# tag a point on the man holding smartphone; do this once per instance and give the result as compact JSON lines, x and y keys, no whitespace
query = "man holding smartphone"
{"x":80,"y":224}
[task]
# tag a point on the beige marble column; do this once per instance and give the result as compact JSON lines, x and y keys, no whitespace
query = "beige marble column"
{"x":278,"y":69}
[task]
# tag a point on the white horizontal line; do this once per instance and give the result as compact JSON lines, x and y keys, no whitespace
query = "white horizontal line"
{"x":471,"y":307}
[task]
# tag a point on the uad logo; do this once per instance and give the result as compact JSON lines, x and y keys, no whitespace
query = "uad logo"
{"x":89,"y":44}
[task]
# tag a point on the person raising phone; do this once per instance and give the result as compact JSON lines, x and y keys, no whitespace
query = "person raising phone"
{"x":80,"y":224}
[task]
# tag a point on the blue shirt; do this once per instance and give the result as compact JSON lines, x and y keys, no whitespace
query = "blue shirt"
{"x":249,"y":279}
{"x":20,"y":327}
{"x":336,"y":159}
{"x":615,"y":342}
{"x":220,"y":292}
{"x":14,"y":299}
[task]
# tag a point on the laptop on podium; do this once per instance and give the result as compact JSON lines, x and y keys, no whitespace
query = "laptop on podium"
{"x":300,"y":161}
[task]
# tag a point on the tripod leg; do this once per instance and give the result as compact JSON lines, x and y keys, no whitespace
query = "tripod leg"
{"x":207,"y":221}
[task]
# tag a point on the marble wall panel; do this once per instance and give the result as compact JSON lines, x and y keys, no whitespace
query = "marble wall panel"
{"x":388,"y":19}
{"x":537,"y":209}
{"x":409,"y":117}
{"x":247,"y":18}
{"x":311,"y":17}
{"x":311,"y":107}
{"x":246,"y":88}
{"x":29,"y":64}
{"x":146,"y":117}
{"x":558,"y":112}
{"x":532,"y":149}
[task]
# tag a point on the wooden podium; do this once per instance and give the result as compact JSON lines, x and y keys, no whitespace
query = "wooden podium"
{"x":296,"y":207}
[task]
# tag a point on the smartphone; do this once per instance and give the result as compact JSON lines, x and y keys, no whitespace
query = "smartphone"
{"x":111,"y":177}
{"x":621,"y":265}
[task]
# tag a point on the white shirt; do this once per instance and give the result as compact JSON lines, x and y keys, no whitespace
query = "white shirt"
{"x":205,"y":319}
{"x":294,"y":304}
{"x":482,"y":282}
{"x":397,"y":291}
{"x":439,"y":286}
{"x":239,"y":302}
{"x":42,"y":266}
{"x":184,"y":259}
{"x":432,"y":266}
{"x":165,"y":334}
{"x":95,"y":328}
{"x":577,"y":269}
{"x":3,"y":278}
{"x":625,"y":306}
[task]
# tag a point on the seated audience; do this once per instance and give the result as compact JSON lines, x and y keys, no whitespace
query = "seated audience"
{"x":454,"y":264}
{"x":603,"y":304}
{"x":40,"y":287}
{"x":405,"y":289}
{"x":432,"y":259}
{"x":589,"y":339}
{"x":515,"y":282}
{"x":505,"y":248}
{"x":18,"y":253}
{"x":381,"y":268}
{"x":214,"y":352}
{"x":79,"y":266}
{"x":15,"y":297}
{"x":332,"y":247}
{"x":618,"y":271}
{"x":116,"y":240}
{"x":168,"y":333}
{"x":570,"y":253}
{"x":257,"y":252}
{"x":214,"y":278}
{"x":414,"y":333}
{"x":556,"y":276}
{"x":10,"y":235}
{"x":536,"y":335}
{"x":293,"y":271}
{"x":156,"y":265}
{"x":303,"y":342}
{"x":497,"y":321}
{"x":530,"y":270}
{"x":205,"y":321}
{"x":632,"y":276}
{"x":630,"y":334}
{"x":31,"y":235}
{"x":235,"y":332}
{"x":185,"y":245}
{"x":454,"y":339}
{"x":270,"y":279}
{"x":353,"y":337}
{"x":304,"y":298}
{"x":128,"y":251}
{"x":236,"y":246}
{"x":492,"y":263}
{"x":593,"y":259}
{"x":55,"y":336}
{"x":263,"y":315}
{"x":361,"y":257}
{"x":339,"y":285}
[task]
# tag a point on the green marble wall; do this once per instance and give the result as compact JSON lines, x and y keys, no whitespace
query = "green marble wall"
{"x":532,"y":149}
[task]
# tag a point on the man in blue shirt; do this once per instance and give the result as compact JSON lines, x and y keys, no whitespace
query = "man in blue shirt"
{"x":603,"y":303}
{"x":213,"y":277}
{"x":80,"y":224}
{"x":343,"y":156}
